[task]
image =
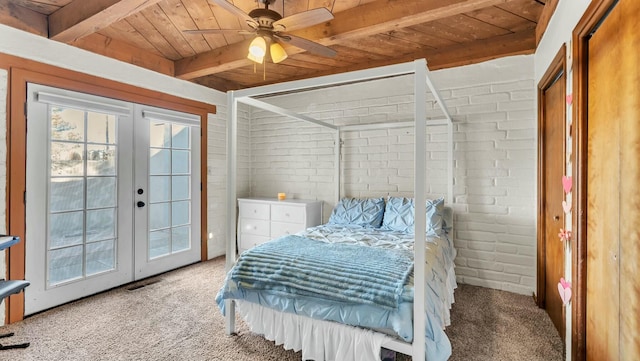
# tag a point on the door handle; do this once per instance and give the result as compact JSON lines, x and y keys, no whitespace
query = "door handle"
{"x":140,"y":204}
{"x":556,"y":218}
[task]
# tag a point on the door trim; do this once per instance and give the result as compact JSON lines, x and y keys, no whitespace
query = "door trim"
{"x":595,"y":13}
{"x":556,"y":69}
{"x":22,"y":71}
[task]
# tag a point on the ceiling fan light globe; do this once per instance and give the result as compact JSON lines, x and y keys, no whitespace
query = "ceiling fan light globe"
{"x":258,"y":47}
{"x":278,"y":53}
{"x":257,"y":59}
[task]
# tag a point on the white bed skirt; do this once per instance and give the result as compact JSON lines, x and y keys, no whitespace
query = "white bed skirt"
{"x":318,"y":340}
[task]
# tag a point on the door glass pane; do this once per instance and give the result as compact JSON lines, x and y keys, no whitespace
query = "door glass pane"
{"x":180,"y":213}
{"x":170,"y":189}
{"x":101,"y":224}
{"x":101,"y":160}
{"x":159,"y":214}
{"x":180,"y":162}
{"x":101,"y":128}
{"x":67,"y":159}
{"x":100,"y":256}
{"x":159,"y":243}
{"x":66,"y":229}
{"x":180,"y":187}
{"x":67,"y":194}
{"x":65,"y":264}
{"x":82,"y":219}
{"x":101,"y":192}
{"x":181,"y":238}
{"x":67,"y":124}
{"x":159,"y":135}
{"x":160,"y":162}
{"x":159,"y":188}
{"x":180,"y":136}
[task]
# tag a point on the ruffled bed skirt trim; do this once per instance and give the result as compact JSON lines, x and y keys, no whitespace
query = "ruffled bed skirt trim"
{"x":318,"y":340}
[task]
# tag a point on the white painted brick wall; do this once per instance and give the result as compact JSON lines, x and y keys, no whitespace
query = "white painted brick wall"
{"x":493,"y":105}
{"x":217,"y":174}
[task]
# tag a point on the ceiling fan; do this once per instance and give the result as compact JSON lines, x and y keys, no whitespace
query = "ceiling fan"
{"x":270,"y":28}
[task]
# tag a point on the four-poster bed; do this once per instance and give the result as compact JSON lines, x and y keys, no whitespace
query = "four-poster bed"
{"x":421,"y":82}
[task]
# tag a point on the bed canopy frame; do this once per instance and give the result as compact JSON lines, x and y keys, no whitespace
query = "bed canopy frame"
{"x":422,"y":81}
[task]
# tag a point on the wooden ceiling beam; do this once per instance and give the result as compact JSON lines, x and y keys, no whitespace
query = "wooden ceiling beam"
{"x":545,"y":18}
{"x":386,"y":15}
{"x":217,"y":83}
{"x":215,"y":61}
{"x":519,"y":43}
{"x":372,"y":18}
{"x":22,"y":18}
{"x":103,"y":45}
{"x":81,"y":18}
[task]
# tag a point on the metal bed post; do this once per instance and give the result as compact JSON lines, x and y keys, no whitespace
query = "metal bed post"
{"x":336,"y":175}
{"x":450,"y":199}
{"x":232,"y":169}
{"x":420,"y":134}
{"x":444,"y":109}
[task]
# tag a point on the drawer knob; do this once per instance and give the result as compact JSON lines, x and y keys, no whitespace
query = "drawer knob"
{"x":255,"y":211}
{"x":287,"y":214}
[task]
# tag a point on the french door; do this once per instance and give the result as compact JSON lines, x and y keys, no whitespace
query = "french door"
{"x":167,"y":190}
{"x":113,"y":194}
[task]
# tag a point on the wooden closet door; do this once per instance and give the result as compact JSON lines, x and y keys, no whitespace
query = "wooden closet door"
{"x":629,"y":95}
{"x":613,"y":174}
{"x":551,"y":97}
{"x":554,"y":215}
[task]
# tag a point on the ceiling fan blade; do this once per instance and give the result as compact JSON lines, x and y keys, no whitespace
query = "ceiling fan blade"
{"x":220,"y":31}
{"x":308,"y":45}
{"x":236,"y":11}
{"x":303,"y":19}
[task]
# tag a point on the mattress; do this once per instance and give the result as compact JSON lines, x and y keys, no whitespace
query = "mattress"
{"x":440,"y":283}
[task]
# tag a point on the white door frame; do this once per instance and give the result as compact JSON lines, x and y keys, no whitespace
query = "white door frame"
{"x":131,"y":117}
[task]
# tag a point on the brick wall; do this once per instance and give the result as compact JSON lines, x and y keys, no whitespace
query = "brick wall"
{"x":217,"y":174}
{"x":292,"y":157}
{"x":493,"y":106}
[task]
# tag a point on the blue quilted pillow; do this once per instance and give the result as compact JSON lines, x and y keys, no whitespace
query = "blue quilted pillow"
{"x":399,"y":215}
{"x":361,"y":212}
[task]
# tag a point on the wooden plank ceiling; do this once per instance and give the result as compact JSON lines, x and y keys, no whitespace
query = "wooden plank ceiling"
{"x":365,"y":34}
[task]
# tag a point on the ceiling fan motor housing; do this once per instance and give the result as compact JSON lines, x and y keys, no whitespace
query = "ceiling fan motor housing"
{"x":265,"y":17}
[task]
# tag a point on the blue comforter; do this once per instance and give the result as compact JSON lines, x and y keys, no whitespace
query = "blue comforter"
{"x":297,"y":266}
{"x":439,"y":275}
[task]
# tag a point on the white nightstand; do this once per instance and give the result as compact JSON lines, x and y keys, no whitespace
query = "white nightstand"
{"x":262,"y":219}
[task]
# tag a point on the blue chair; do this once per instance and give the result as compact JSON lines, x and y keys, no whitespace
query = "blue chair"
{"x":8,"y":288}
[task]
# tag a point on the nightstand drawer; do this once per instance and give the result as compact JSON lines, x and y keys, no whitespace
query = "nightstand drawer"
{"x":262,"y":219}
{"x":254,"y":210}
{"x":249,"y":241}
{"x":256,"y":227}
{"x":291,"y":214}
{"x":281,"y":228}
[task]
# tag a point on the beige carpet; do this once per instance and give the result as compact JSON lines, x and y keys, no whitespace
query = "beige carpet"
{"x":176,"y":318}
